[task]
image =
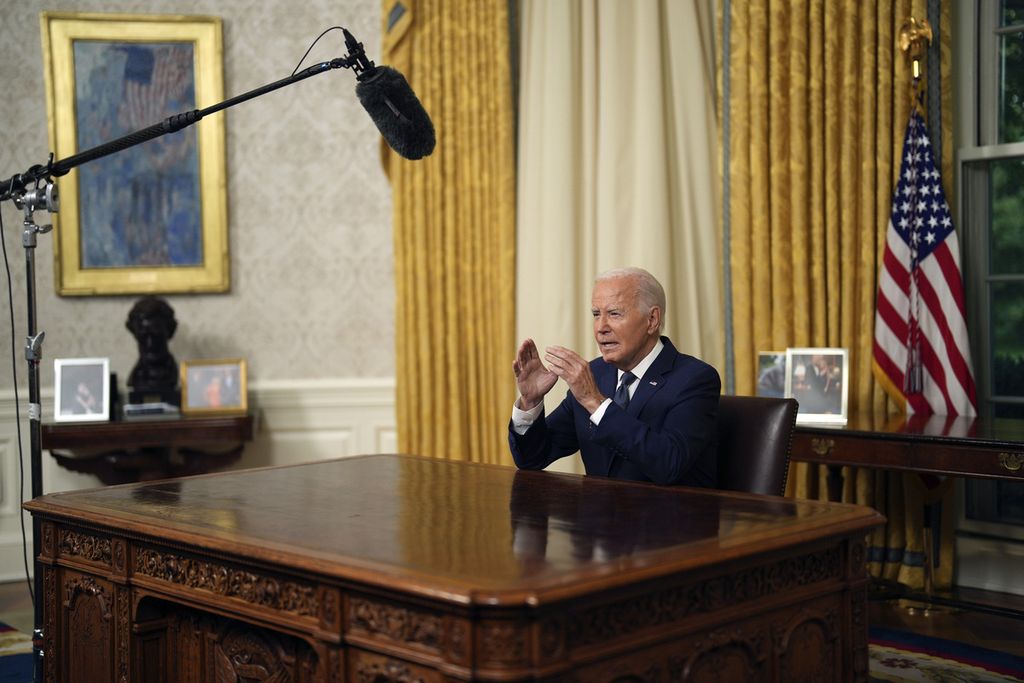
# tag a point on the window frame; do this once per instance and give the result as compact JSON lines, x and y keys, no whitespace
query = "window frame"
{"x":977,"y":83}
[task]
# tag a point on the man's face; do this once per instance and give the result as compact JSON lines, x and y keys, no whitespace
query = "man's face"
{"x":625,"y":332}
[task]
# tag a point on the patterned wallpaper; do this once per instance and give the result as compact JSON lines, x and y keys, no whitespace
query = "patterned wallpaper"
{"x":312,"y":292}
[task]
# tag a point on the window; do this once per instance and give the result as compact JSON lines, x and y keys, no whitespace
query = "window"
{"x":989,"y":57}
{"x":990,"y":132}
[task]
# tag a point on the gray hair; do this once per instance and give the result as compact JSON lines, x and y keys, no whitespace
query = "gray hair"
{"x":649,"y":292}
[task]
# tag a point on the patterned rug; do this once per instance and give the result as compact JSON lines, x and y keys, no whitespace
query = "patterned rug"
{"x":902,"y":656}
{"x":15,"y":656}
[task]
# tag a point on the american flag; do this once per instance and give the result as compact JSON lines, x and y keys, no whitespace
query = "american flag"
{"x":921,"y":352}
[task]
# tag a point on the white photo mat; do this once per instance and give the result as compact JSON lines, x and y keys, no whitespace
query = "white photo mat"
{"x":818,"y":378}
{"x":81,"y":390}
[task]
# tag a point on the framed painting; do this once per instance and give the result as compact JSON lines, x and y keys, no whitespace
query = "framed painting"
{"x":81,"y":389}
{"x":818,"y":379}
{"x":214,"y":387}
{"x":152,"y":218}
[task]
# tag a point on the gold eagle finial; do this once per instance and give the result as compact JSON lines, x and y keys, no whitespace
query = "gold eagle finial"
{"x":915,"y":37}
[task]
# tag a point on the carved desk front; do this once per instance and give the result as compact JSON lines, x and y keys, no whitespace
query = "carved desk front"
{"x":399,"y":568}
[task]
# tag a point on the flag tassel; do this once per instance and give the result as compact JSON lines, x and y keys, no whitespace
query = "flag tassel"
{"x":914,"y":383}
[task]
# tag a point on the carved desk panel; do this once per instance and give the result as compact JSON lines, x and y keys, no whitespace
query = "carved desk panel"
{"x":398,"y":568}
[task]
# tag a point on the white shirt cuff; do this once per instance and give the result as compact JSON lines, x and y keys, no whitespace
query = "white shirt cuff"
{"x":596,"y":416}
{"x":522,"y":419}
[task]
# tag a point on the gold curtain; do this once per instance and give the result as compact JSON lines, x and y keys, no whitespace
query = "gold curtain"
{"x":454,"y":230}
{"x":818,"y":101}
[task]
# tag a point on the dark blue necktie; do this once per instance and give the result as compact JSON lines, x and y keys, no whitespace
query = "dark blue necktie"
{"x":622,"y":392}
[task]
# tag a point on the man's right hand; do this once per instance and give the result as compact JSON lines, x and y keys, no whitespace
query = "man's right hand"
{"x":533,"y":380}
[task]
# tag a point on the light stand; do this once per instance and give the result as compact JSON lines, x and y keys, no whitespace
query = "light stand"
{"x":34,"y":189}
{"x":42,"y":196}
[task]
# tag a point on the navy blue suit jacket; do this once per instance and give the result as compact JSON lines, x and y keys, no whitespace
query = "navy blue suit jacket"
{"x":667,"y":434}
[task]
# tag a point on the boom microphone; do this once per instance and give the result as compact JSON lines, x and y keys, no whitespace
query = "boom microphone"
{"x":395,"y":109}
{"x":392,"y":105}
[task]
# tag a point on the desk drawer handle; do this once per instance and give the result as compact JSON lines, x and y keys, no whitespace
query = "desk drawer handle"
{"x":822,"y":446}
{"x":1011,"y":461}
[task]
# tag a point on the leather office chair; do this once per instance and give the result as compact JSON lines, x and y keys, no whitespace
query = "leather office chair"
{"x":754,"y":438}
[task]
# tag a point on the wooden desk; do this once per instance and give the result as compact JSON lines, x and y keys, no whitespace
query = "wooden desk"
{"x":957,"y":446}
{"x":397,"y":568}
{"x":125,"y":451}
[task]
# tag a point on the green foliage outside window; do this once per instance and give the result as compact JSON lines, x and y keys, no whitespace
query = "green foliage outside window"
{"x":1006,"y":236}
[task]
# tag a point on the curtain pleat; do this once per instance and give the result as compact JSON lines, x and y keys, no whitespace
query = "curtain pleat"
{"x":818,"y":102}
{"x":454,"y":231}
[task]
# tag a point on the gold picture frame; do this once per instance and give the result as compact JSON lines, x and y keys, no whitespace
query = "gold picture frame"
{"x":214,"y":387}
{"x":150,"y":219}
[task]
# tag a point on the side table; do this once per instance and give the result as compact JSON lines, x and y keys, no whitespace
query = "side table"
{"x":124,"y":451}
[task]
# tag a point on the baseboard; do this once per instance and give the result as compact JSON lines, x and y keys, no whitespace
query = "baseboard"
{"x":990,"y":564}
{"x":12,"y":567}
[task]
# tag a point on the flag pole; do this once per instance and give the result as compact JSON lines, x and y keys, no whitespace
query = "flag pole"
{"x":914,"y":38}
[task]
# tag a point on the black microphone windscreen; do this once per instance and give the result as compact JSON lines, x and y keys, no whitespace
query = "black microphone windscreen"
{"x":398,"y":114}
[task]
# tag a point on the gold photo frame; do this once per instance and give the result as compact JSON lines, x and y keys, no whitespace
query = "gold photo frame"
{"x":214,"y":387}
{"x":150,"y":219}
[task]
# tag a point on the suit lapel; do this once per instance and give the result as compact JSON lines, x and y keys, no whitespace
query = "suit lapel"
{"x":654,"y":379}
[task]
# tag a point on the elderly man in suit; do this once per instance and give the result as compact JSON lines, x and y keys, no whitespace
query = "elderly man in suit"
{"x":641,"y":411}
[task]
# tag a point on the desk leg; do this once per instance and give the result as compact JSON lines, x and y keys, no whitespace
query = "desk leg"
{"x":835,"y":483}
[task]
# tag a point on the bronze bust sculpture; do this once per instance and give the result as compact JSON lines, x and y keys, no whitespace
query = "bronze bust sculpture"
{"x":155,"y":375}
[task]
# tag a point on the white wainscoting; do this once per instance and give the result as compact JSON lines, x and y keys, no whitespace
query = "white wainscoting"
{"x":296,"y":421}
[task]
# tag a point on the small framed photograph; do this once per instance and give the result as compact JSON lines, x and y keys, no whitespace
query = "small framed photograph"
{"x":771,"y":374}
{"x":817,"y":379}
{"x":81,"y":389}
{"x":214,"y":387}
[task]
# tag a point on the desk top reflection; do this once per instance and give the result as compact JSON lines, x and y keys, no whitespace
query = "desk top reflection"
{"x":462,"y":532}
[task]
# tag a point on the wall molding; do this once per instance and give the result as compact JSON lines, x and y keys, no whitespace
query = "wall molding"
{"x":296,"y":421}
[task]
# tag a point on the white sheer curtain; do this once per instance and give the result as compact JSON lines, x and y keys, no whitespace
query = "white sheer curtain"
{"x":618,"y":166}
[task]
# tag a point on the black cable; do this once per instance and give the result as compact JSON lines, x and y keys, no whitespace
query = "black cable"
{"x":17,"y":415}
{"x":310,"y":49}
